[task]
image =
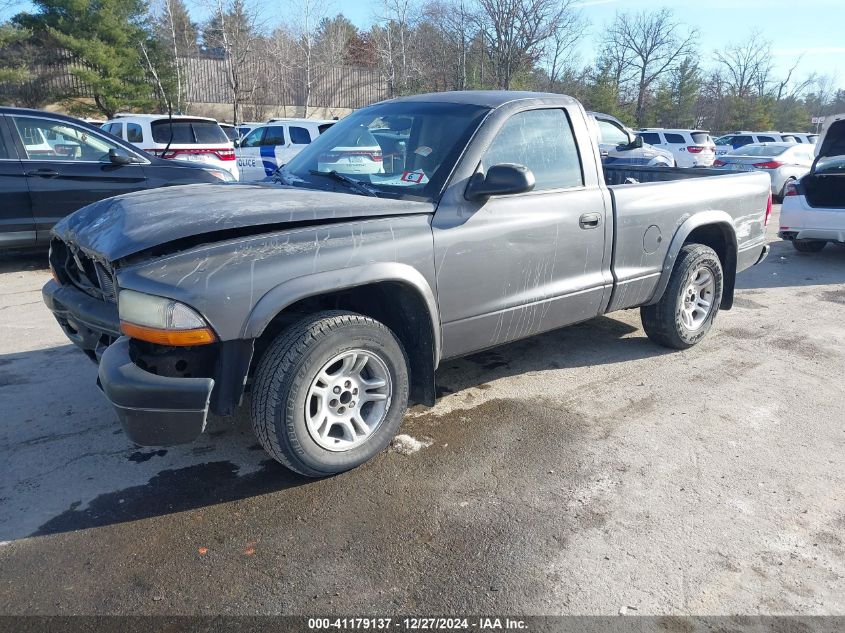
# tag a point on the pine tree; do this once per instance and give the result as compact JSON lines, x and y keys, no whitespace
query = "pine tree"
{"x":104,"y":37}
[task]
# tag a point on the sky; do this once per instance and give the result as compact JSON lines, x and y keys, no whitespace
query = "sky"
{"x":812,"y":29}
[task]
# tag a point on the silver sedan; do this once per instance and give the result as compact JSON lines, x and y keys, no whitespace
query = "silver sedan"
{"x":784,"y":162}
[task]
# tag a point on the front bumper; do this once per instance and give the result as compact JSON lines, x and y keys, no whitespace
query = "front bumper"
{"x":88,"y":322}
{"x":181,"y":404}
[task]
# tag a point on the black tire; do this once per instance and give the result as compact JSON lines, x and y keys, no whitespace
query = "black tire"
{"x":285,"y":373}
{"x":662,"y":321}
{"x":808,"y":246}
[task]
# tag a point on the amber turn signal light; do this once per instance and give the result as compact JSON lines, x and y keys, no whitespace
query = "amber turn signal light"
{"x":173,"y":338}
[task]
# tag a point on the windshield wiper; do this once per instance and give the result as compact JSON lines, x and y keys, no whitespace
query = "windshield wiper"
{"x":357,"y":185}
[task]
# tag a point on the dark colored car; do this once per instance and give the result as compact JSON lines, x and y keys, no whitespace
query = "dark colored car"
{"x":51,"y":165}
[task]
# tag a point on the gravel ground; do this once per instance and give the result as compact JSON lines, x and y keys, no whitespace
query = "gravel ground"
{"x":579,"y":472}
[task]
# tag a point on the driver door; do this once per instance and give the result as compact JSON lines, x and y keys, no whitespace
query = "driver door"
{"x":68,"y":167}
{"x":521,"y":264}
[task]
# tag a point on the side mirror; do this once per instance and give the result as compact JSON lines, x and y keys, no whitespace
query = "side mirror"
{"x":500,"y":180}
{"x":119,"y":157}
{"x":637,"y":143}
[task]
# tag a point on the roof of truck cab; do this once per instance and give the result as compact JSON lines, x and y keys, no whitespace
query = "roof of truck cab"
{"x":486,"y":98}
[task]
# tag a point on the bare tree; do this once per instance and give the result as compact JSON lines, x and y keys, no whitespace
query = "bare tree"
{"x":559,"y":51}
{"x":234,"y":31}
{"x":456,"y":21}
{"x":394,"y":39}
{"x":746,"y":67}
{"x":173,"y":28}
{"x":516,"y":32}
{"x":653,"y":43}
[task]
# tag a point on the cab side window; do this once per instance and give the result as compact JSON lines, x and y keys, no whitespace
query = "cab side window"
{"x":46,"y":139}
{"x":253,"y":139}
{"x":543,"y":141}
{"x":766,"y":139}
{"x":652,"y":138}
{"x":609,"y":132}
{"x":299,"y":135}
{"x":677,"y":139}
{"x":275,"y":135}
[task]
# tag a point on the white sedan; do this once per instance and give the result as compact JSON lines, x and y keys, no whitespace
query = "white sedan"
{"x":813,"y":212}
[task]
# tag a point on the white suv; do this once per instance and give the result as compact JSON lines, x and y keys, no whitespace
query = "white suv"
{"x":691,"y":148}
{"x":269,"y":146}
{"x":189,"y":138}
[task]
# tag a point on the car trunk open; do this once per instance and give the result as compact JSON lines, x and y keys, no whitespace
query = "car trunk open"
{"x":827,"y":190}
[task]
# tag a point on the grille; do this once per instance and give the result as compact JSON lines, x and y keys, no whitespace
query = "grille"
{"x":75,"y":267}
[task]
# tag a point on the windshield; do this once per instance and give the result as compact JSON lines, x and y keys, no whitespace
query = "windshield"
{"x":404,"y":150}
{"x":831,"y":165}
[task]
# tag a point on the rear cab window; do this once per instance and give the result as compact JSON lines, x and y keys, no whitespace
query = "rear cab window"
{"x":188,"y":132}
{"x":701,"y":138}
{"x":134,"y":133}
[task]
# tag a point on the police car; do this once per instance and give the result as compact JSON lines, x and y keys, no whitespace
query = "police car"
{"x":270,"y":145}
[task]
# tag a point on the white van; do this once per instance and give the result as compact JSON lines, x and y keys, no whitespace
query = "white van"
{"x":189,"y":138}
{"x":269,"y":146}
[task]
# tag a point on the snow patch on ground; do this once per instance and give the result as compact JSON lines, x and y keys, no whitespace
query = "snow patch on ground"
{"x":407,"y":445}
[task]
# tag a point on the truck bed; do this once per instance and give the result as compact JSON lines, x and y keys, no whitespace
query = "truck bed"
{"x":619,"y":174}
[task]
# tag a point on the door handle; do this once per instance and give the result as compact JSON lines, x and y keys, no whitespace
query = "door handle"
{"x":589,"y":220}
{"x":44,"y":173}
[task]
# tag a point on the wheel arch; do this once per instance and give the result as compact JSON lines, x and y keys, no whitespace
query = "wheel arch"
{"x":710,"y":228}
{"x":394,"y":294}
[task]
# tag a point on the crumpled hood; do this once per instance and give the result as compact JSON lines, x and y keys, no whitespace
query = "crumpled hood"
{"x":121,"y":226}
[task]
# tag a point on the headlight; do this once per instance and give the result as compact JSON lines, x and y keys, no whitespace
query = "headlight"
{"x":223,"y":175}
{"x":161,"y":321}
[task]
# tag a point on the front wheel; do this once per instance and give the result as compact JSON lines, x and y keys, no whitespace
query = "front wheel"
{"x":330,"y":393}
{"x":688,"y":307}
{"x":808,"y":246}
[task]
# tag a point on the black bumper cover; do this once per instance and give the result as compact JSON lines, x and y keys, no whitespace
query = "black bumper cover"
{"x":181,"y":404}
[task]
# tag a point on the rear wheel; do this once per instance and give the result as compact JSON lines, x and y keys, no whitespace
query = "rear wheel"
{"x":689,"y":305}
{"x":330,"y":393}
{"x":808,"y":246}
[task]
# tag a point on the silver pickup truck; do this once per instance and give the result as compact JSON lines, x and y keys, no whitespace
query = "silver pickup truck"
{"x":415,"y":230}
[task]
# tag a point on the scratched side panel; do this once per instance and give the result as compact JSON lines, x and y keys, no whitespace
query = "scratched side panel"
{"x":666,"y":206}
{"x":225,"y":280}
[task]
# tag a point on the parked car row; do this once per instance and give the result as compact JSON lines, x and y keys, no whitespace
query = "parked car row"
{"x":728,"y":142}
{"x":786,"y":163}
